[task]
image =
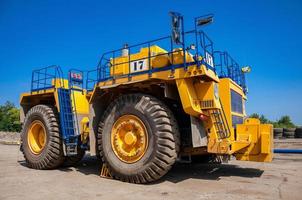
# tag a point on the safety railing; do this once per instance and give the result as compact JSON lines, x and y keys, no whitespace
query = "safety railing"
{"x":42,"y":79}
{"x":227,"y":67}
{"x":92,"y":79}
{"x":200,"y":48}
{"x":204,"y":49}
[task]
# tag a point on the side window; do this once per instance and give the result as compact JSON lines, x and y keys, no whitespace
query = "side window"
{"x":236,"y":102}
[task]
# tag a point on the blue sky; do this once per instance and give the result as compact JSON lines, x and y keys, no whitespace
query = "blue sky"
{"x":73,"y":34}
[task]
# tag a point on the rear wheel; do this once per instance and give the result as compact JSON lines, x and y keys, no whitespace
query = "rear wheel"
{"x":138,"y":138}
{"x":41,"y":142}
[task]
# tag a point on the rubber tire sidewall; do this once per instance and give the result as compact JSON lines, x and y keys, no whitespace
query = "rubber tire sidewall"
{"x":163,"y":136}
{"x":115,"y":163}
{"x":42,"y":160}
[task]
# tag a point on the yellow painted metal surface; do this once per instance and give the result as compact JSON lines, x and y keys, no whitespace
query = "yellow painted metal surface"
{"x":225,"y":87}
{"x":192,"y":71}
{"x":252,"y":141}
{"x":177,"y":57}
{"x":36,"y":137}
{"x":78,"y":98}
{"x":197,"y":96}
{"x":261,"y":141}
{"x":188,"y":96}
{"x":129,"y":138}
{"x":41,"y":94}
{"x":206,"y":95}
{"x":84,"y":129}
{"x":81,"y":102}
{"x":139,"y":61}
{"x":60,"y":83}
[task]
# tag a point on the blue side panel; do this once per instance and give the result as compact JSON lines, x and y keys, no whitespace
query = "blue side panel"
{"x":66,"y":116}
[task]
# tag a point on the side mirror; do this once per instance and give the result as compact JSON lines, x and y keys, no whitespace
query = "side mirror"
{"x":246,"y":69}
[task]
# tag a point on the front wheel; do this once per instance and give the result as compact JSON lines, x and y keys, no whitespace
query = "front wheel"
{"x":138,"y":138}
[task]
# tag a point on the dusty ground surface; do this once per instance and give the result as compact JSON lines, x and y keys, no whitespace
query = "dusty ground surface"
{"x":9,"y":137}
{"x":281,"y":179}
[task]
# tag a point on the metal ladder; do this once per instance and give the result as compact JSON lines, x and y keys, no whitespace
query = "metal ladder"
{"x":220,"y":123}
{"x":68,"y":113}
{"x":67,"y":122}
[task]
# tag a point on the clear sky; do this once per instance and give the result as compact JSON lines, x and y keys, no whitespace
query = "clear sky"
{"x":265,"y":34}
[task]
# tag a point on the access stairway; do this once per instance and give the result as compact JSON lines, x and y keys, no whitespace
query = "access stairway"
{"x":51,"y":78}
{"x":222,"y":128}
{"x":68,"y":122}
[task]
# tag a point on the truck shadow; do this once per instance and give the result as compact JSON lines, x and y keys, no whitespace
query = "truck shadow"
{"x":209,"y":171}
{"x":179,"y":172}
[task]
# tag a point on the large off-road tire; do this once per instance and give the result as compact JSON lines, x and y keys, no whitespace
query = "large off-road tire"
{"x":289,"y":132}
{"x":153,"y":124}
{"x":278,"y":132}
{"x":298,"y":132}
{"x":41,"y":142}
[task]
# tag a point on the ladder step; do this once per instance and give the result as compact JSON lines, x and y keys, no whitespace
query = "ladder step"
{"x":68,"y":121}
{"x":219,"y":123}
{"x":71,"y":149}
{"x":221,"y":131}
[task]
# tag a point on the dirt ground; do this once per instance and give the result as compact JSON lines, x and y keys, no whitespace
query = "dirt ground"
{"x":9,"y":137}
{"x":281,"y":179}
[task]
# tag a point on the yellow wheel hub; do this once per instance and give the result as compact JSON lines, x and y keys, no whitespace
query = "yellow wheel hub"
{"x":36,"y":137}
{"x":129,"y":138}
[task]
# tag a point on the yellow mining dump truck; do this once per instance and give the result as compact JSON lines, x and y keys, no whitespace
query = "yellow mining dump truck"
{"x":144,"y":107}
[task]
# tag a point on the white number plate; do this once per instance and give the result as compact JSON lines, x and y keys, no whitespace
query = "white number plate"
{"x":139,"y":65}
{"x":209,"y":59}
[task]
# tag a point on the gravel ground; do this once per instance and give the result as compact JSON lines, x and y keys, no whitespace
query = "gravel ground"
{"x":281,"y":179}
{"x":9,"y":137}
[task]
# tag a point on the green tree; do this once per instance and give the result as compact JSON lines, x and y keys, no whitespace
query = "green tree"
{"x":255,"y":115}
{"x":262,"y":118}
{"x":285,"y":122}
{"x":9,"y":117}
